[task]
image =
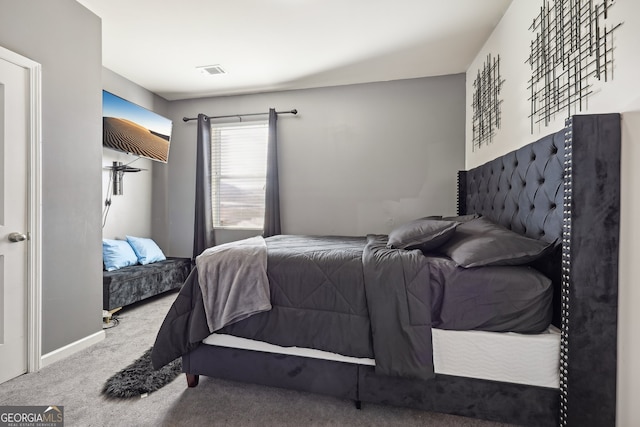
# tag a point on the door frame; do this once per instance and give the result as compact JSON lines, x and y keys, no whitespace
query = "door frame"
{"x":34,"y":208}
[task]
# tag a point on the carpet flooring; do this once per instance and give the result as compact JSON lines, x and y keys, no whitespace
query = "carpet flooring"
{"x":76,"y":382}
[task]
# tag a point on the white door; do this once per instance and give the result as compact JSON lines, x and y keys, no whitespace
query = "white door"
{"x":14,"y":142}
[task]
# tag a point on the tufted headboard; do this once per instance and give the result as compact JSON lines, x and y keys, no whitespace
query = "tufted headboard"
{"x":565,"y":187}
{"x":521,"y":190}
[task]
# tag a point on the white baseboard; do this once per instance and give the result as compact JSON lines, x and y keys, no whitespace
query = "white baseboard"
{"x":69,"y":349}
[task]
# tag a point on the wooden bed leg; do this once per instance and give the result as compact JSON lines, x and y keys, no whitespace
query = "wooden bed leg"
{"x":192,"y":380}
{"x":358,"y":404}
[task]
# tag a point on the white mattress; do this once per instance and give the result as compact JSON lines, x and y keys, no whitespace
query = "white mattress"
{"x":507,"y":357}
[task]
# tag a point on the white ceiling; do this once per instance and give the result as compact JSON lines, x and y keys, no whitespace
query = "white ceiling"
{"x":268,"y":45}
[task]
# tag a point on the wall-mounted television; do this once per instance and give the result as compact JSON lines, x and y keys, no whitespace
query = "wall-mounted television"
{"x":132,"y":129}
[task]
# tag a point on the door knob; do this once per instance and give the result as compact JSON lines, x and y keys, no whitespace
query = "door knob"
{"x":17,"y":237}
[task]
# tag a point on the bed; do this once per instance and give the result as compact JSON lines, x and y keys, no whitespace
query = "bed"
{"x":562,"y":191}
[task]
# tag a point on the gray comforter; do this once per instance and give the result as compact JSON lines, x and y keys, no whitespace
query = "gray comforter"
{"x":347,"y":295}
{"x":353,"y":296}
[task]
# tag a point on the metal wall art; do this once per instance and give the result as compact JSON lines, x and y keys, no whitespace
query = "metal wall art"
{"x":572,"y":46}
{"x":486,"y":103}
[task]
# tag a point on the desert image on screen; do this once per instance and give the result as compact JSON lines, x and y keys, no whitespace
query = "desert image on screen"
{"x":125,"y":135}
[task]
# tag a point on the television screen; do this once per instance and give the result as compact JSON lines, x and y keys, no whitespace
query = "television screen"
{"x":135,"y":130}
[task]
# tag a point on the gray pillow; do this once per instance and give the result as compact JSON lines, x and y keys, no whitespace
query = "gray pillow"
{"x":481,"y":242}
{"x":424,"y":234}
{"x":462,"y":218}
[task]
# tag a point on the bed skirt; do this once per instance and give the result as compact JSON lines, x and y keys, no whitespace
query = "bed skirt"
{"x":483,"y":399}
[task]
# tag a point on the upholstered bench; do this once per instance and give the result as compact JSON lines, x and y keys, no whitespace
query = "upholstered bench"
{"x":136,"y":282}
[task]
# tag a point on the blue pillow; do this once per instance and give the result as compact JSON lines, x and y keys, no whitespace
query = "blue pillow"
{"x":146,"y":249}
{"x":117,"y":254}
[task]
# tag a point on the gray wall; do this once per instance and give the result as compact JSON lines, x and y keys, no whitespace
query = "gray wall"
{"x":66,"y":39}
{"x":357,"y":159}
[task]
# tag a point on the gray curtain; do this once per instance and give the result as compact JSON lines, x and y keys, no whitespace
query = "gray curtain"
{"x":203,"y":234}
{"x":272,"y":192}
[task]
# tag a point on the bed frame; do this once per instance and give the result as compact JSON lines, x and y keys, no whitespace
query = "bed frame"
{"x":564,"y":187}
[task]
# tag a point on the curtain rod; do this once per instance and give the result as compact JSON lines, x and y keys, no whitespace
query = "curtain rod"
{"x":294,"y":112}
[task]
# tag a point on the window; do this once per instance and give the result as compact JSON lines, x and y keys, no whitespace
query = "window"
{"x":239,"y":174}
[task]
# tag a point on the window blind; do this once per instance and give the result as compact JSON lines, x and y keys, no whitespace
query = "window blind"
{"x":239,"y":170}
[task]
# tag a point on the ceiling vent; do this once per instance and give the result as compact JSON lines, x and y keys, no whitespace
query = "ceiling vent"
{"x":211,"y":69}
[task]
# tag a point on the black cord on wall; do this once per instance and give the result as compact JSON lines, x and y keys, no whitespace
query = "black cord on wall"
{"x":107,"y":203}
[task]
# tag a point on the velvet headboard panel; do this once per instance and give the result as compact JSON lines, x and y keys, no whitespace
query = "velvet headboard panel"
{"x":522,"y":190}
{"x":566,"y":187}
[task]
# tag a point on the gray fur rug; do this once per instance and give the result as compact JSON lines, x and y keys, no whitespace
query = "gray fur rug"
{"x":140,"y":379}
